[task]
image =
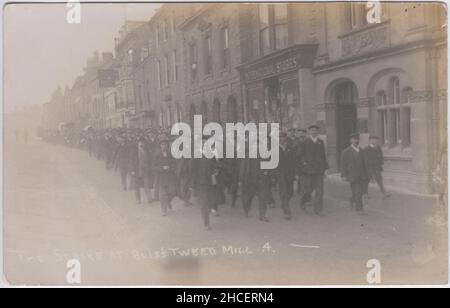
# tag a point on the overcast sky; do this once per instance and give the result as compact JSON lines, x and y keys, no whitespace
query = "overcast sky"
{"x":42,"y":50}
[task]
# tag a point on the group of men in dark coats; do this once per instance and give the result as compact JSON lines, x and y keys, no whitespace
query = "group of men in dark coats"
{"x":144,"y":161}
{"x":359,"y":166}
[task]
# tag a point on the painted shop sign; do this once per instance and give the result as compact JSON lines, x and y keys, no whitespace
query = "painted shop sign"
{"x":272,"y":68}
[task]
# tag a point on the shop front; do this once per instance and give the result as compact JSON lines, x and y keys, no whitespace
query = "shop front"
{"x":275,"y":87}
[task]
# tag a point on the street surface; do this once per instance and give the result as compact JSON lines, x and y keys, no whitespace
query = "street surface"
{"x":59,"y":204}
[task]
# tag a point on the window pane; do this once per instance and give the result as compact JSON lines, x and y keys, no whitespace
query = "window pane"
{"x":225,"y":37}
{"x":172,"y":22}
{"x":382,"y":114}
{"x":175,"y":67}
{"x":281,"y":37}
{"x":158,"y":68}
{"x":208,"y":52}
{"x":406,"y":138}
{"x":166,"y":71}
{"x":396,"y":87}
{"x":264,"y":15}
{"x":280,"y":12}
{"x":382,"y":99}
{"x":397,"y":126}
{"x":265,"y":41}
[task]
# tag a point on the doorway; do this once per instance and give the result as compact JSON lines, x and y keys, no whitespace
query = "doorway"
{"x":345,"y":98}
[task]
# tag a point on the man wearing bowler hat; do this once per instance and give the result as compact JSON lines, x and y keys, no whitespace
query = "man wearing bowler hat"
{"x":313,"y":165}
{"x":354,"y":171}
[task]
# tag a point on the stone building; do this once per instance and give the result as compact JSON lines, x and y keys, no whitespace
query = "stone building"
{"x":127,"y":55}
{"x":349,"y":69}
{"x":211,"y":54}
{"x":375,"y":69}
{"x":165,"y":67}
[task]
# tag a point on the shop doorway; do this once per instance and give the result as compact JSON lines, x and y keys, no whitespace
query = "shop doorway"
{"x":345,"y":98}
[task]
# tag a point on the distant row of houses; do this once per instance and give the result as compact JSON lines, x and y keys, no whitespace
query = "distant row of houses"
{"x":292,"y":63}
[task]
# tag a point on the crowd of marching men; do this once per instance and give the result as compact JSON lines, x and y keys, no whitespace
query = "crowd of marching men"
{"x":144,"y":160}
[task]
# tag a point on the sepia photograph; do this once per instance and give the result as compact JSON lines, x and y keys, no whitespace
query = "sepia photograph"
{"x":298,"y":143}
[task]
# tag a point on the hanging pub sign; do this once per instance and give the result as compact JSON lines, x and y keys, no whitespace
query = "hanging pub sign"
{"x":107,"y":77}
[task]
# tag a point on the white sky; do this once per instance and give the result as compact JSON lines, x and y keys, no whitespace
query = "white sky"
{"x":42,"y":50}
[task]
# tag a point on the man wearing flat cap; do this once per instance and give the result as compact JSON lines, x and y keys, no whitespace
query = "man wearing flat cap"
{"x":313,"y":165}
{"x":354,"y":171}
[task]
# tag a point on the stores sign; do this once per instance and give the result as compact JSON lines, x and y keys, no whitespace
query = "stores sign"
{"x":272,"y":68}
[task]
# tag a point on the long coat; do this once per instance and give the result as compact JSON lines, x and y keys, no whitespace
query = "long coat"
{"x":285,"y":172}
{"x":203,"y":182}
{"x":122,"y":156}
{"x":313,"y":157}
{"x":374,"y":159}
{"x":353,"y":165}
{"x":165,"y":178}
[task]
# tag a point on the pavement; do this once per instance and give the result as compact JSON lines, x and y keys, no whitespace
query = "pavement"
{"x":59,"y":205}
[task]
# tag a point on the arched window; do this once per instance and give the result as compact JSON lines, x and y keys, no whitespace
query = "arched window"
{"x":382,"y":117}
{"x":394,"y":114}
